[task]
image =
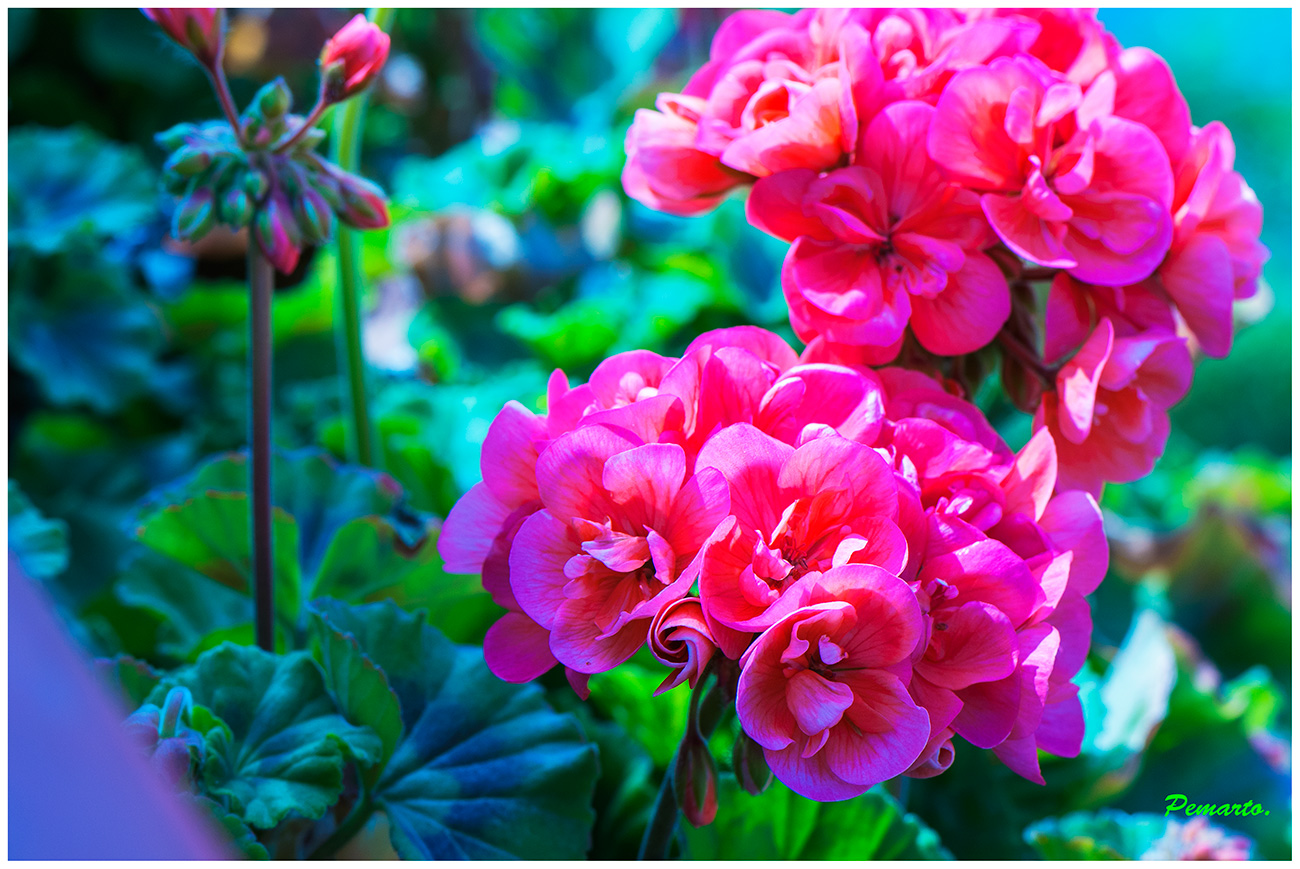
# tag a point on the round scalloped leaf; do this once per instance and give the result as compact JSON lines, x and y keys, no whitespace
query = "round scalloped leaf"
{"x":340,"y":530}
{"x":485,"y":769}
{"x":82,"y":333}
{"x":283,"y":745}
{"x":1107,"y":834}
{"x":69,"y":181}
{"x":781,"y":825}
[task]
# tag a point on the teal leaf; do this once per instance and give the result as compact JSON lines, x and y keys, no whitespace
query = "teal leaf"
{"x":278,"y":745}
{"x":485,"y":770}
{"x":339,"y":530}
{"x":781,"y":825}
{"x":69,"y":181}
{"x":40,"y":544}
{"x":132,"y":679}
{"x":1107,"y":834}
{"x":83,"y":333}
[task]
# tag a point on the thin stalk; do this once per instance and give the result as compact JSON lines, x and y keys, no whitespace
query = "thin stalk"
{"x":306,"y":125}
{"x":665,"y":812}
{"x":227,"y":100}
{"x":1028,"y":358}
{"x":347,"y":148}
{"x":261,"y":278}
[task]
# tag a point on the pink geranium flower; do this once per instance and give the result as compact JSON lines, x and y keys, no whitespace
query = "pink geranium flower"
{"x":1065,"y":183}
{"x":823,"y":690}
{"x":795,"y":512}
{"x":1107,"y":414}
{"x":620,"y":528}
{"x":1216,"y":255}
{"x":682,"y":638}
{"x":777,"y":93}
{"x":883,"y":242}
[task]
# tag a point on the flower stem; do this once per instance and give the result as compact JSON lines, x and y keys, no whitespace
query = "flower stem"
{"x":347,"y":147}
{"x":261,"y":278}
{"x":1027,"y":358}
{"x":306,"y":125}
{"x":228,"y":108}
{"x":665,"y":812}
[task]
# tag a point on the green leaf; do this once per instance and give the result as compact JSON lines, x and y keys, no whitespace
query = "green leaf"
{"x":1103,"y":835}
{"x":360,"y":689}
{"x":132,"y":679}
{"x":69,"y":181}
{"x":339,"y":530}
{"x":485,"y":770}
{"x":40,"y":544}
{"x":278,"y":745}
{"x":781,"y":825}
{"x":626,"y":694}
{"x":84,"y":334}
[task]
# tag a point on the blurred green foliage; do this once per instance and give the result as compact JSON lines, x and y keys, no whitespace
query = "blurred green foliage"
{"x":514,"y":250}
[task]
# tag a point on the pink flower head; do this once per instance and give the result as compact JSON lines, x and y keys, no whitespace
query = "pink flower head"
{"x":1198,"y":839}
{"x":1070,"y":41}
{"x":1216,"y":255}
{"x":795,"y":513}
{"x":352,"y":59}
{"x":196,"y":30}
{"x":1107,"y":415}
{"x":823,"y":690}
{"x":777,"y":93}
{"x":1065,"y":183}
{"x":883,"y":242}
{"x":620,"y":528}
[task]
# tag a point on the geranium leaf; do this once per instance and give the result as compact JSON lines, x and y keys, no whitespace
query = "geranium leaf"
{"x":283,"y":744}
{"x":485,"y":770}
{"x":1103,"y":835}
{"x":781,"y":825}
{"x":41,"y":544}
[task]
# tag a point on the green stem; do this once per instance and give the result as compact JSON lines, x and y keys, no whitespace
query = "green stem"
{"x":261,"y":280}
{"x":664,"y":814}
{"x":347,"y":148}
{"x":306,"y":125}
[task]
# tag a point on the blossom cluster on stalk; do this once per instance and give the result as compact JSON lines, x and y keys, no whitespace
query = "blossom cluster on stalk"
{"x":929,"y":166}
{"x":881,"y":570}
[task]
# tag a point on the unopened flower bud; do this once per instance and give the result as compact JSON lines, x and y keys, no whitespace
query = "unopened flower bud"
{"x":196,"y":30}
{"x":195,"y":215}
{"x":747,"y":759}
{"x":695,"y":779}
{"x":174,"y":137}
{"x":274,"y":231}
{"x":352,"y":58}
{"x":315,"y":217}
{"x":188,"y":161}
{"x":256,"y":185}
{"x":364,"y":204}
{"x":236,"y":208}
{"x":273,"y":100}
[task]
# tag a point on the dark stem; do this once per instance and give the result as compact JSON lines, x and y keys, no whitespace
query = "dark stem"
{"x":706,"y":712}
{"x":1028,"y":358}
{"x":307,"y":123}
{"x":1039,"y":274}
{"x":222,"y":87}
{"x":261,"y":279}
{"x":897,"y":788}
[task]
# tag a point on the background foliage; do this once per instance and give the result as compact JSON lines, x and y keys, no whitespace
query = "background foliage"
{"x":514,"y":250}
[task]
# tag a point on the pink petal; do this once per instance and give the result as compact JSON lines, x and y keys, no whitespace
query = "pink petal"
{"x":699,"y":508}
{"x":1068,"y":319}
{"x":751,"y":462}
{"x":965,"y":139}
{"x":516,"y":648}
{"x":775,"y":205}
{"x":571,"y":470}
{"x":510,"y":454}
{"x":469,"y":529}
{"x":1025,"y":233}
{"x":1073,"y":520}
{"x":808,"y":139}
{"x":836,"y":463}
{"x":1077,"y":382}
{"x":968,"y":313}
{"x":541,"y":549}
{"x":1198,"y":277}
{"x":976,"y":644}
{"x":838,"y":279}
{"x":815,"y":702}
{"x":1032,"y":479}
{"x":643,"y":483}
{"x":888,"y":734}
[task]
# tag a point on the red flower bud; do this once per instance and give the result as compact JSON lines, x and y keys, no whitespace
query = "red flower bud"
{"x":750,"y":764}
{"x":274,"y":229}
{"x":695,"y":779}
{"x":196,"y":30}
{"x":352,"y":58}
{"x":364,"y":204}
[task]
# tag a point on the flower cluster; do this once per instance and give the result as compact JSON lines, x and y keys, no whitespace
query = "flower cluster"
{"x":260,"y":169}
{"x":880,"y":571}
{"x":929,"y":165}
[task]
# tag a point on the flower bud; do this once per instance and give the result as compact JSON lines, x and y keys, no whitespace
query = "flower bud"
{"x":188,"y":161}
{"x":273,"y":228}
{"x":695,"y":781}
{"x":680,"y":639}
{"x":747,"y":759}
{"x":195,"y":215}
{"x":364,"y":204}
{"x":273,"y":100}
{"x":236,"y":208}
{"x":256,"y":185}
{"x":174,"y":137}
{"x":176,"y":706}
{"x":352,"y":58}
{"x":315,"y":217}
{"x":196,"y":30}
